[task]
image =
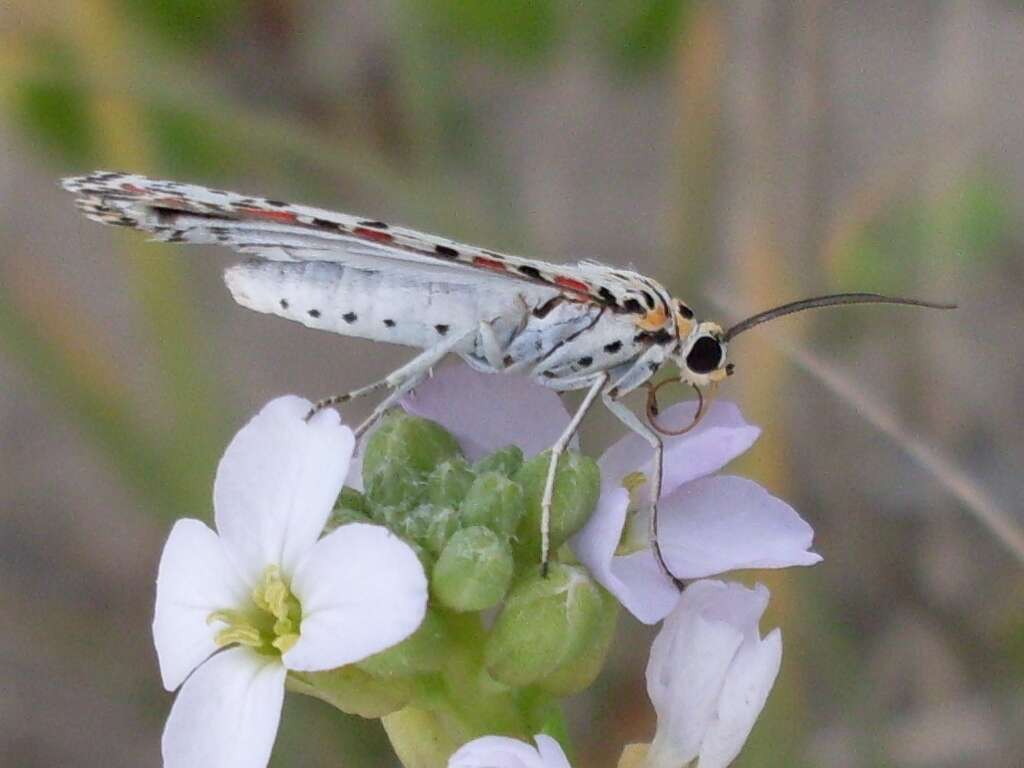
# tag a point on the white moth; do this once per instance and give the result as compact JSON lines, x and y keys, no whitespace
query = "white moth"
{"x":583,"y":326}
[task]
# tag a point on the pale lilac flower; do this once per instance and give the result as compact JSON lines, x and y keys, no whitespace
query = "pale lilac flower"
{"x":707,"y":525}
{"x":503,"y":752}
{"x":709,"y":674}
{"x":239,"y":607}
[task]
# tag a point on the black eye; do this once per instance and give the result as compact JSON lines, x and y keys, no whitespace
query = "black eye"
{"x":705,"y":355}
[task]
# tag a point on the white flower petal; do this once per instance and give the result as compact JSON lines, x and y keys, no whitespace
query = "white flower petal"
{"x":689,"y":661}
{"x":551,"y":753}
{"x":719,"y":524}
{"x":504,"y":752}
{"x":277,"y":482}
{"x":721,"y":436}
{"x":226,"y":715}
{"x":362,"y":589}
{"x":744,"y":694}
{"x":195,"y":579}
{"x":486,"y":412}
{"x":636,"y":580}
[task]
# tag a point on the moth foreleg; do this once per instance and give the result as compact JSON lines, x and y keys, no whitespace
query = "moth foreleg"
{"x":556,"y":452}
{"x":490,"y":345}
{"x":418,"y":365}
{"x":393,"y":397}
{"x":638,"y":372}
{"x":637,"y":425}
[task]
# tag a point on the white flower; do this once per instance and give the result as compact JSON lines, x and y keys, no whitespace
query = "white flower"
{"x":707,"y":524}
{"x":503,"y":752}
{"x":236,"y":609}
{"x":709,"y":674}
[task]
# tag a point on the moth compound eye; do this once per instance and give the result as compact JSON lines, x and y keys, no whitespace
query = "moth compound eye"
{"x":705,"y":355}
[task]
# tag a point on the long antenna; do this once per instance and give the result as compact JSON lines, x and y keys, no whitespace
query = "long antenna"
{"x":831,"y":300}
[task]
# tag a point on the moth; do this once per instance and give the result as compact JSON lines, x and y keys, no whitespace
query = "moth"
{"x":583,"y":326}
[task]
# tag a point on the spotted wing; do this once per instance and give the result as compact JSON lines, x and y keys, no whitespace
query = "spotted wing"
{"x":271,"y":229}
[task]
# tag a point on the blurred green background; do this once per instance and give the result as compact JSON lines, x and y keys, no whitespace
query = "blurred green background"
{"x":752,"y":151}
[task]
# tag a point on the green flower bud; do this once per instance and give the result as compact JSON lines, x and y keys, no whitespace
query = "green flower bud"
{"x":392,"y":484}
{"x":505,"y":461}
{"x":343,"y":516}
{"x":584,"y":663}
{"x":428,"y":525}
{"x":544,"y":623}
{"x":448,"y":482}
{"x":493,"y":501}
{"x":425,"y":650}
{"x":577,"y":487}
{"x":349,"y":508}
{"x":350,"y":498}
{"x":473,"y":571}
{"x":409,"y":440}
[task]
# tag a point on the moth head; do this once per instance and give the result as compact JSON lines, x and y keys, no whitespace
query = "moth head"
{"x":701,"y":355}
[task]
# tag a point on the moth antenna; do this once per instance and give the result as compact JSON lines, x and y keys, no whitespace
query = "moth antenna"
{"x":653,"y":409}
{"x":831,"y":300}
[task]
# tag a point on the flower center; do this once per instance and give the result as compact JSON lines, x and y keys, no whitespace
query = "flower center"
{"x":270,"y":625}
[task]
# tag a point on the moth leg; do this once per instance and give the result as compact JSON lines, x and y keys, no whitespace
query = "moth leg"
{"x":492,"y":348}
{"x":637,"y":425}
{"x":415,"y":367}
{"x":393,"y":397}
{"x":556,"y":452}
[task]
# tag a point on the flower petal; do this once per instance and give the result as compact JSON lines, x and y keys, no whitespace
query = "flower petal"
{"x":486,"y":412}
{"x":720,"y":437}
{"x":362,"y":589}
{"x":195,"y":579}
{"x":744,"y":694}
{"x":636,"y":580}
{"x":227,"y":713}
{"x":277,"y":483}
{"x":719,"y":524}
{"x":689,"y":661}
{"x":504,"y":752}
{"x":551,"y":753}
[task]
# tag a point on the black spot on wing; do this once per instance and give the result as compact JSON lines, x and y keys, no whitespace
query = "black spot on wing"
{"x":373,"y":224}
{"x":284,"y":303}
{"x":349,"y":317}
{"x":389,"y":322}
{"x":613,"y":347}
{"x":529,"y":271}
{"x":632,"y":305}
{"x":441,"y":328}
{"x":585,"y":362}
{"x":606,"y":295}
{"x":314,"y":313}
{"x":326,"y":223}
{"x":447,"y":251}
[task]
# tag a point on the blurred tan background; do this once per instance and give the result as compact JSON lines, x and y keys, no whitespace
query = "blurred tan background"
{"x":755,"y":151}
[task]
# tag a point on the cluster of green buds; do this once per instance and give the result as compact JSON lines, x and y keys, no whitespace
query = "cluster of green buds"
{"x":500,"y":642}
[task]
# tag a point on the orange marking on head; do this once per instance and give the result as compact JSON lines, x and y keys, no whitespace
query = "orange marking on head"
{"x":683,"y":326}
{"x":653,"y":320}
{"x":285,"y":216}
